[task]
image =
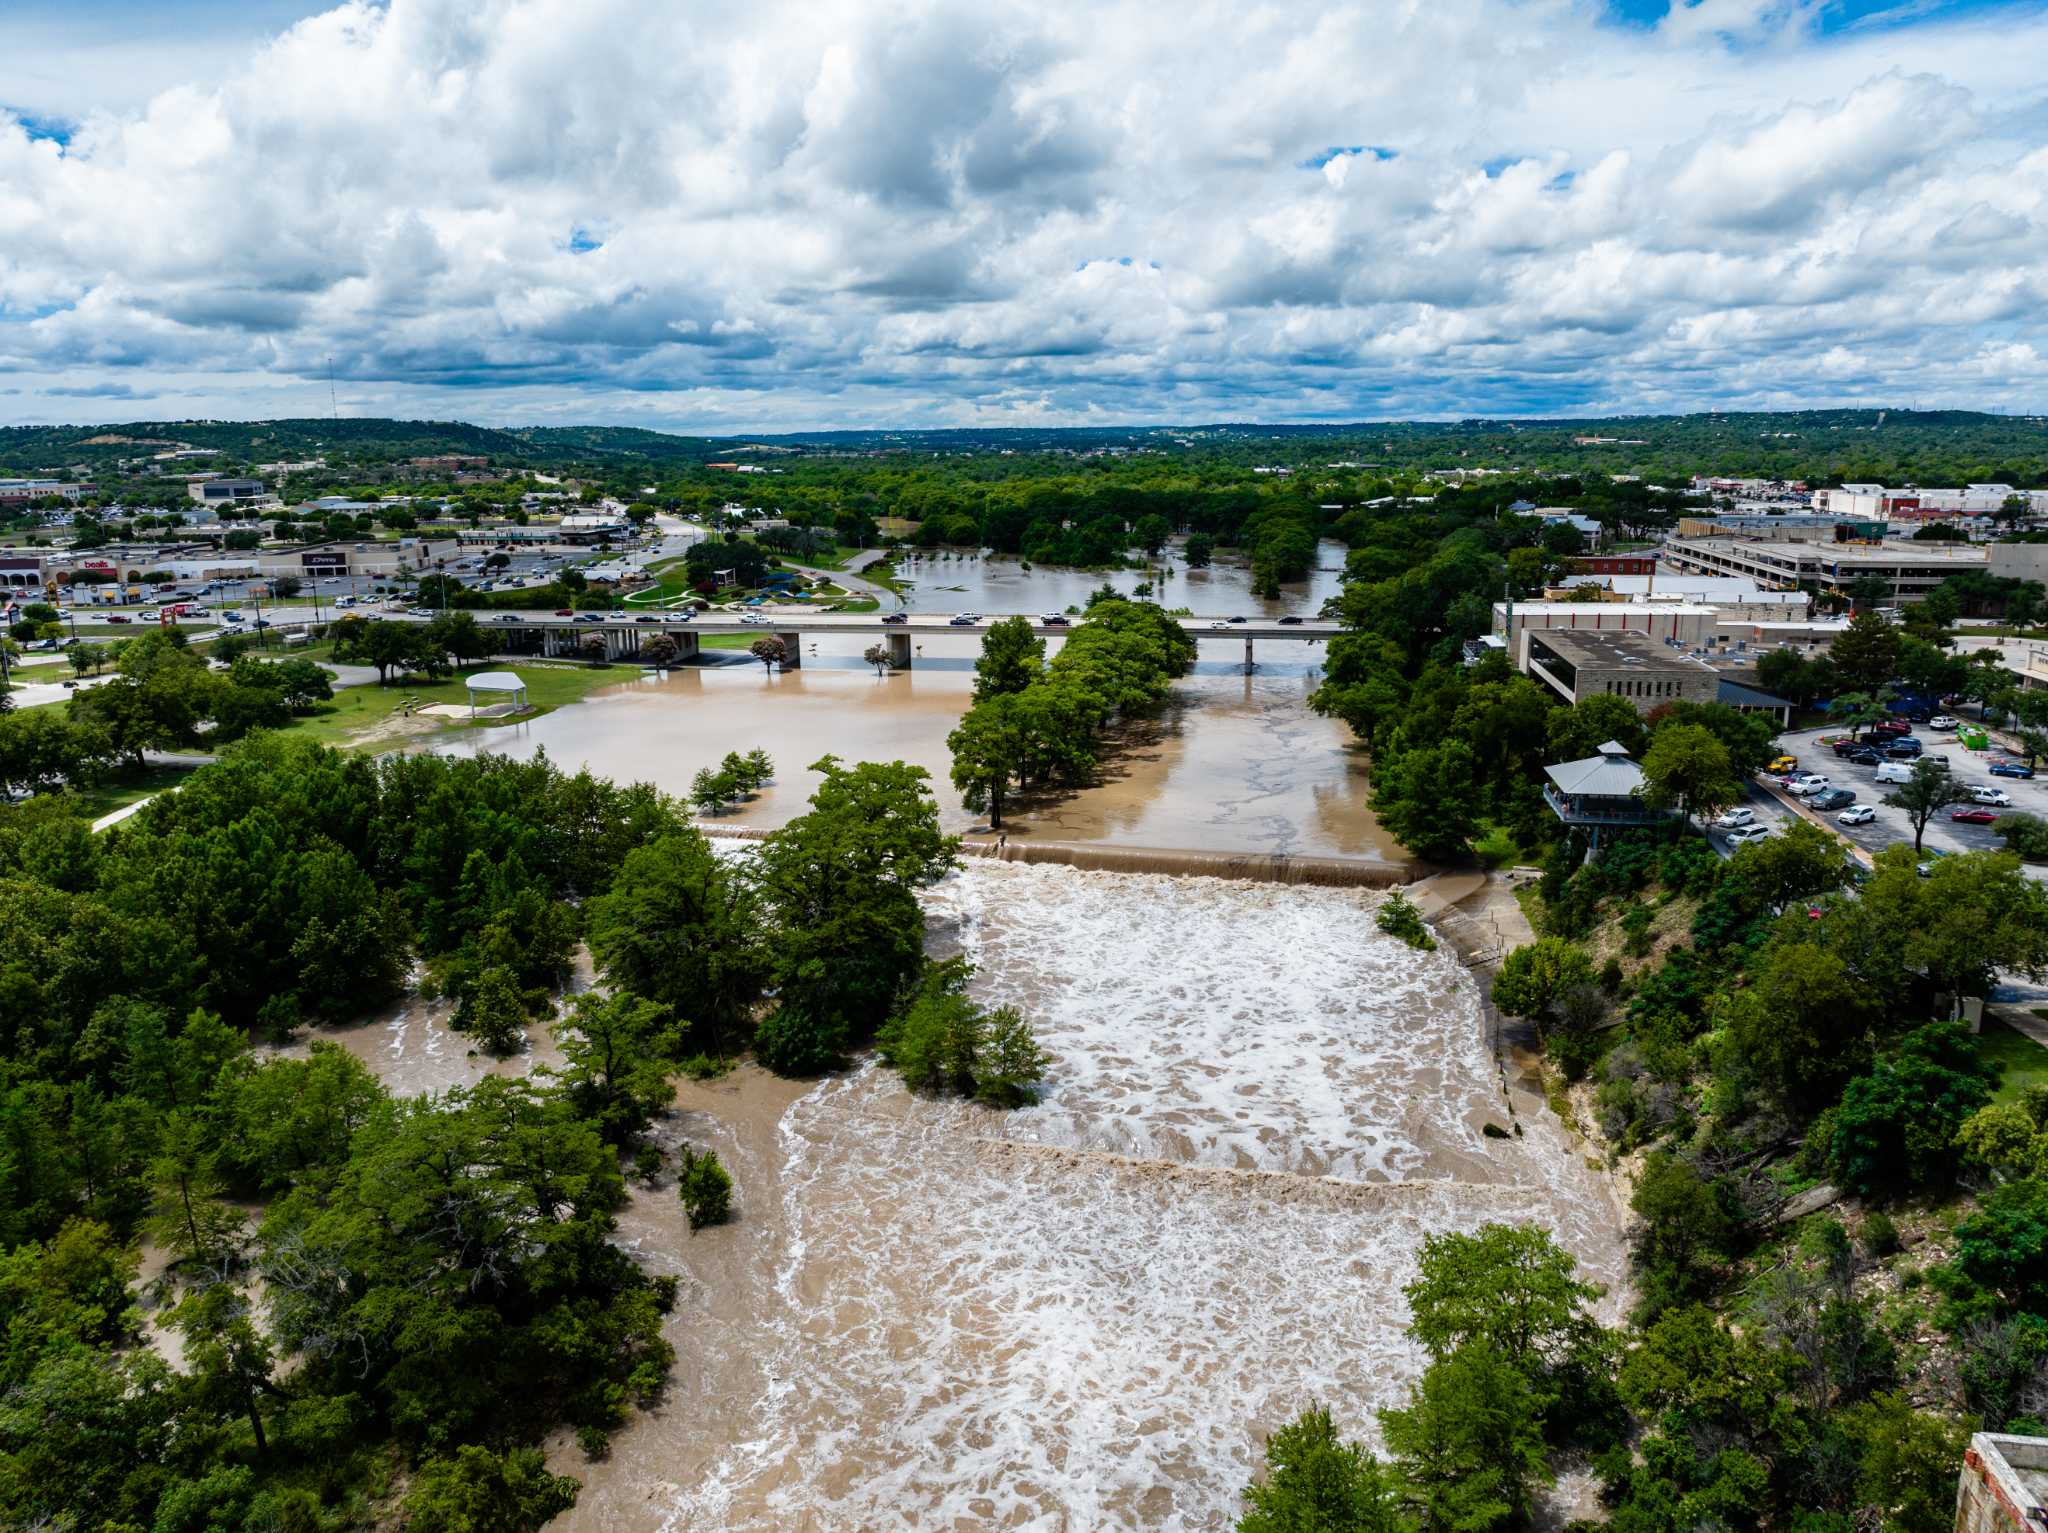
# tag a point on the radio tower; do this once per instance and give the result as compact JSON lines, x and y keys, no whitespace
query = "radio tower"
{"x":332,"y":403}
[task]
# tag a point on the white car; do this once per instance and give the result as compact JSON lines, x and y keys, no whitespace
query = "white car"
{"x":1811,"y":783}
{"x":1995,"y":796}
{"x":1861,"y":814}
{"x":1743,"y":835}
{"x":1941,"y":721}
{"x":1735,"y":817}
{"x":754,"y":619}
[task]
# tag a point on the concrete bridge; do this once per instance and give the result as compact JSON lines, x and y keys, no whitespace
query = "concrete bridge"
{"x":549,"y":633}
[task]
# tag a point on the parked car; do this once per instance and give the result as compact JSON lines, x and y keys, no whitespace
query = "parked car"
{"x":1735,"y":817}
{"x":1743,"y":835}
{"x":896,"y":617}
{"x":1834,"y":798}
{"x":1812,"y":782}
{"x":1862,"y":814}
{"x":1906,"y":749}
{"x":1893,"y":726}
{"x":1941,"y":721}
{"x":1975,"y":816}
{"x":1865,"y":756}
{"x":1997,"y":796}
{"x":1783,"y":765}
{"x":1894,"y":771}
{"x":1846,"y":746}
{"x":2011,"y":769}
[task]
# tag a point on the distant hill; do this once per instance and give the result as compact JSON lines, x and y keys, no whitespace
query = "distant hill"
{"x":1924,"y":447}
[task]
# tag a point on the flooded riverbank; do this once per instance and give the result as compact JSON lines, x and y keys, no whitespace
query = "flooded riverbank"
{"x":1085,"y":1314}
{"x":1235,"y":763}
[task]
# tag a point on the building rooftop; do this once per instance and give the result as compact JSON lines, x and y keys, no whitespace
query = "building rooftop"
{"x":1611,"y":774}
{"x":1633,"y":652}
{"x":1890,"y":552}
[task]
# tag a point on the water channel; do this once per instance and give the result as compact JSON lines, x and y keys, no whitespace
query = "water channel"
{"x":1086,"y":1314}
{"x":1236,"y":763}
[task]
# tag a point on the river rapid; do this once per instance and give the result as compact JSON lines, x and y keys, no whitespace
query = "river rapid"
{"x":1088,"y":1313}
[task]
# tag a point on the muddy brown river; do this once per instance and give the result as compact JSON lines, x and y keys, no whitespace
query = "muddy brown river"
{"x":1085,"y":1314}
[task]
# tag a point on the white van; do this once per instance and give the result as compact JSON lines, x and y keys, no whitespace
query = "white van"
{"x":1895,"y":771}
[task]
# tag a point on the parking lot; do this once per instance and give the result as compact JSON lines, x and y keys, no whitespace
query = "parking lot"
{"x":1891,"y":827}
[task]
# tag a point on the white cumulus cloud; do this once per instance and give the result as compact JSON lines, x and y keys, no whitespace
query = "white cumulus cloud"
{"x":789,"y":213}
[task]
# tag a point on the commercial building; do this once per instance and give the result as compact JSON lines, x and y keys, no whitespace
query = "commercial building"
{"x":1689,"y":623}
{"x":1874,"y":500}
{"x":1647,"y":673}
{"x":1733,"y":596}
{"x":216,"y":492}
{"x":2003,"y":1487}
{"x":21,"y":572}
{"x":1792,"y":527}
{"x":1910,"y":570}
{"x":21,"y":492}
{"x":1615,"y":564}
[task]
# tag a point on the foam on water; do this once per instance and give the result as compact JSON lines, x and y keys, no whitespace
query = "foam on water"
{"x":1087,"y":1314}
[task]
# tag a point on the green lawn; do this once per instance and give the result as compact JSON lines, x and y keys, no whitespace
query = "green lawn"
{"x":2025,"y":1061}
{"x":91,"y":803}
{"x":357,"y":709}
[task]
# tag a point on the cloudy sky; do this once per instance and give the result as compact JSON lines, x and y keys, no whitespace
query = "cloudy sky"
{"x":711,"y":216}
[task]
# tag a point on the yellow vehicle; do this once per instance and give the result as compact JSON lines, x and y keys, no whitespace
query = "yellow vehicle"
{"x":1783,"y":765}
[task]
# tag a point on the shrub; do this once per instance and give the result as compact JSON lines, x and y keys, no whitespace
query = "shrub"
{"x":789,"y":1042}
{"x":705,"y":1187}
{"x":1398,"y":917}
{"x":2026,"y":834}
{"x":1896,"y":1127}
{"x":595,"y":1442}
{"x":942,"y":1042}
{"x":1880,"y":1234}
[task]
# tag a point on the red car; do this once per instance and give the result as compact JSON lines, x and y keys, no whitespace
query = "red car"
{"x":563,"y":612}
{"x":1975,"y":816}
{"x":1893,"y":727}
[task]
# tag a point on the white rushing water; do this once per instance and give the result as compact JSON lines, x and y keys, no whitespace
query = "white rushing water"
{"x":1087,"y":1314}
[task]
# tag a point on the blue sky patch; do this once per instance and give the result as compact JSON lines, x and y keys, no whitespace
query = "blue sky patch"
{"x":582,"y":241}
{"x":1836,"y":15}
{"x":1377,"y":151}
{"x":55,"y":129}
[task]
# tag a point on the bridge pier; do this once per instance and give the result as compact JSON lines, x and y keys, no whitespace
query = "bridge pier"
{"x":792,"y":650}
{"x":687,"y":645}
{"x":899,"y":650}
{"x":1247,"y":654}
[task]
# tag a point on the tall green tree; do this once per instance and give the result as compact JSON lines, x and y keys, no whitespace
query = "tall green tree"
{"x":1317,"y":1483}
{"x":1012,"y":658}
{"x":1686,"y":768}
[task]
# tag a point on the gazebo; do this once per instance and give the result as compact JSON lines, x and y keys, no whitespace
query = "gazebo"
{"x":1603,"y":792}
{"x":497,"y":687}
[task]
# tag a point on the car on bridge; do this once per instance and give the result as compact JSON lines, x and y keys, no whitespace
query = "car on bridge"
{"x":588,"y":617}
{"x":1290,"y":621}
{"x":1054,"y":620}
{"x":962,"y":620}
{"x":508,"y":617}
{"x":563,"y":612}
{"x":896,"y":617}
{"x":649,"y":619}
{"x":1219,"y":623}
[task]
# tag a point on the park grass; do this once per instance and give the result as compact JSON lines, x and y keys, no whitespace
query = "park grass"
{"x":2025,"y":1061}
{"x":126,"y":788}
{"x":356,"y":712}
